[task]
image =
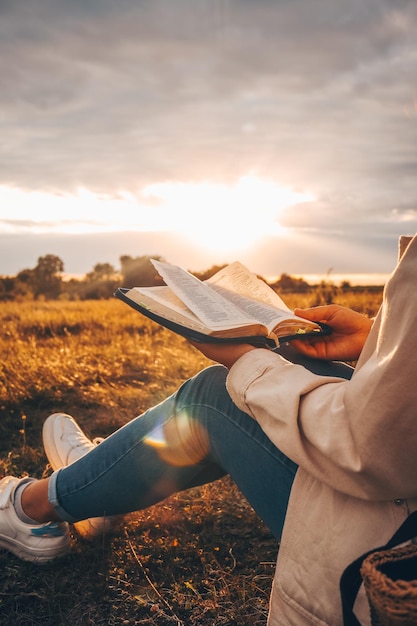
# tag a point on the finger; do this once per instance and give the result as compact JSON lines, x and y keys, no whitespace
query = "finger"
{"x":314,"y":314}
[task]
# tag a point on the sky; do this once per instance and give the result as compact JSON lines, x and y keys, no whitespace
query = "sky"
{"x":281,"y":134}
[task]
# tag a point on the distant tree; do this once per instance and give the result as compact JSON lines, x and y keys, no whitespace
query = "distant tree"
{"x":18,"y":287}
{"x":24,"y":286}
{"x":7,"y":287}
{"x":26,"y":277}
{"x":100,"y":272}
{"x":291,"y":284}
{"x":100,"y":283}
{"x":71,"y":289}
{"x":47,"y":276}
{"x":139,"y":271}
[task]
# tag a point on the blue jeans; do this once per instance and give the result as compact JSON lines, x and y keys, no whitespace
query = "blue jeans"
{"x":195,"y":436}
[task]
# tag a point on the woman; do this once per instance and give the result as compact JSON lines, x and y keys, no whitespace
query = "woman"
{"x":328,"y":462}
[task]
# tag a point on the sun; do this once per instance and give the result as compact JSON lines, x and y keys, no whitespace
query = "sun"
{"x":223,"y":218}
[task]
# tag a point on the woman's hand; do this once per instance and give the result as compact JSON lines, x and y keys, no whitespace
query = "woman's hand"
{"x":349,"y":332}
{"x":225,"y":353}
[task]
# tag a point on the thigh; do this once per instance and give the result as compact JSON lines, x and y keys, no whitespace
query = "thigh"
{"x":239,"y":447}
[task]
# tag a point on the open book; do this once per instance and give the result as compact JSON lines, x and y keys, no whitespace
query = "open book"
{"x":234,"y":305}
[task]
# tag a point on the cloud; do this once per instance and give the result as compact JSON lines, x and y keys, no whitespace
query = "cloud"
{"x":318,"y":96}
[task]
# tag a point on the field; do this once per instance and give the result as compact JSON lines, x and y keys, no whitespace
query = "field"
{"x":201,"y":557}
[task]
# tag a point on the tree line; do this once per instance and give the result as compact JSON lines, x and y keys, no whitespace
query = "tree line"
{"x":47,"y":280}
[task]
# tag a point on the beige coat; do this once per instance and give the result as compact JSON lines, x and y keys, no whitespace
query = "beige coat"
{"x":356,"y":446}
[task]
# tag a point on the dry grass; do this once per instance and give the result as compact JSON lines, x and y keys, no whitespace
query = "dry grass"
{"x":201,"y":557}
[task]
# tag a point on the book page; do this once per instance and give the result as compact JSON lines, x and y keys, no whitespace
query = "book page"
{"x":251,"y":294}
{"x":164,"y":303}
{"x":266,"y":314}
{"x":209,"y":305}
{"x":170,"y":301}
{"x":164,"y":295}
{"x":237,"y":278}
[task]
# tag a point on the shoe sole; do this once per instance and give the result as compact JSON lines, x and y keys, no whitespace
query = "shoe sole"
{"x":32,"y":555}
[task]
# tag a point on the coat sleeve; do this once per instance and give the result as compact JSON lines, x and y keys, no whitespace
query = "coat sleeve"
{"x":357,"y":436}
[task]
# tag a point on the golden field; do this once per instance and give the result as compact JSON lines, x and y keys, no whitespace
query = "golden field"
{"x":201,"y":557}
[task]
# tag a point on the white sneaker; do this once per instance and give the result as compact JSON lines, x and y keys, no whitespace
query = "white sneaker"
{"x":32,"y":542}
{"x":64,"y":443}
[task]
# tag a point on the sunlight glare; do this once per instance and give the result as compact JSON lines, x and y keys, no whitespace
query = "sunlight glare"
{"x":217,"y":217}
{"x":221,"y":217}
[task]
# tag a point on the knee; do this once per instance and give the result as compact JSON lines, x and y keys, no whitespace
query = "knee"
{"x":211,"y":376}
{"x":185,"y":434}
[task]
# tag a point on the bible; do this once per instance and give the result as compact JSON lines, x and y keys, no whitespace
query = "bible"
{"x":233,"y":305}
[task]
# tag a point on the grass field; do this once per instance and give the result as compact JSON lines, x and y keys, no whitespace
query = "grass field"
{"x":201,"y":557}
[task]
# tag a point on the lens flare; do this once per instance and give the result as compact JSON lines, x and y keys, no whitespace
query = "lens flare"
{"x":180,"y":441}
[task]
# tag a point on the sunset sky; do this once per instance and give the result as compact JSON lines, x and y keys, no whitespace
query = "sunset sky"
{"x":282,"y":134}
